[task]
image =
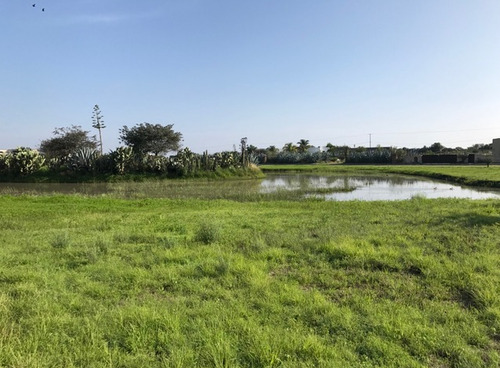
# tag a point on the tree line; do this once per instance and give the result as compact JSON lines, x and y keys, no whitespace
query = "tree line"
{"x":72,"y":151}
{"x":303,"y":152}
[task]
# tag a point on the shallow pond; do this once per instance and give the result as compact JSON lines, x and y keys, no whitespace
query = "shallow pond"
{"x":281,"y":186}
{"x":373,"y":188}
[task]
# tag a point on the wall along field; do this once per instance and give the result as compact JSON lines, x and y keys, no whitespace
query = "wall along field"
{"x":108,"y":282}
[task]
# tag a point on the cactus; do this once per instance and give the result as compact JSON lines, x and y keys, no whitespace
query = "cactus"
{"x":24,"y":161}
{"x":122,"y":158}
{"x":4,"y":167}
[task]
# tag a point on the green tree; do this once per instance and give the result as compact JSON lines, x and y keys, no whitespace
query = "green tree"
{"x":98,"y":123}
{"x":272,"y":150}
{"x":436,"y":147}
{"x":331,"y":148}
{"x":151,"y":138}
{"x":67,"y":141}
{"x":289,"y":147}
{"x":251,"y":149}
{"x":303,"y":145}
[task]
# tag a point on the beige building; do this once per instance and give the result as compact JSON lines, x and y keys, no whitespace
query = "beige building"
{"x":496,"y":150}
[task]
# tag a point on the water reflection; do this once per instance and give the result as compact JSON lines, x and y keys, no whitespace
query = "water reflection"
{"x":329,"y":187}
{"x":373,"y":188}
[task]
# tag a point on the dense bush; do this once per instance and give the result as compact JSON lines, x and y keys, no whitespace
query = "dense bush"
{"x":299,"y":158}
{"x":21,"y":161}
{"x":3,"y":164}
{"x":121,"y":161}
{"x":379,"y":156}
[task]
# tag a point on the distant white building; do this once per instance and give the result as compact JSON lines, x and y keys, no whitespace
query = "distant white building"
{"x":496,"y":151}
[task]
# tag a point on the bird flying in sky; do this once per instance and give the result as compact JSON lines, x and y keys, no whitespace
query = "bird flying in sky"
{"x":34,"y":5}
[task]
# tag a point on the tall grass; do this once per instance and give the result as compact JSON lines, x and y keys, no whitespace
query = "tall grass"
{"x":104,"y":282}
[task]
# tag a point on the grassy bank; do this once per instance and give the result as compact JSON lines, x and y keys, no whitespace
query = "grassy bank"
{"x":461,"y":174}
{"x":103,"y":282}
{"x":45,"y":176}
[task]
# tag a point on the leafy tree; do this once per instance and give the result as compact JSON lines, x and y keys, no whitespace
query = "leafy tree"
{"x":436,"y":147}
{"x":478,"y":147}
{"x":330,"y":148}
{"x":303,"y":145}
{"x":251,"y":149}
{"x":151,"y":138}
{"x":98,"y":123}
{"x":67,"y":141}
{"x":272,"y":149}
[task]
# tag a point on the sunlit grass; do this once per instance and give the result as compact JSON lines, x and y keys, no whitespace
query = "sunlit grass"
{"x":144,"y":282}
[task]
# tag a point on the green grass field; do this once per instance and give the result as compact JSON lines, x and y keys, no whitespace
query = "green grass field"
{"x":248,"y":282}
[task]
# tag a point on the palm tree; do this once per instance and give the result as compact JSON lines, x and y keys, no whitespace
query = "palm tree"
{"x":289,"y":147}
{"x":303,"y":145}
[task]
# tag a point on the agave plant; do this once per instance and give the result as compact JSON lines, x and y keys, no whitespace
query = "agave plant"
{"x":83,"y":160}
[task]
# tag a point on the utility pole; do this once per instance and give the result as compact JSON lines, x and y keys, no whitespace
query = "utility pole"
{"x":370,"y":139}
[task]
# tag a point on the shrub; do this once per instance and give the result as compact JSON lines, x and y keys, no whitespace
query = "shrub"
{"x":299,"y":158}
{"x":4,"y":167}
{"x":24,"y":161}
{"x":122,"y":159}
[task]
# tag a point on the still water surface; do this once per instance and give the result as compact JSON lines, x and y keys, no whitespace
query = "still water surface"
{"x":374,"y":188}
{"x":329,"y":187}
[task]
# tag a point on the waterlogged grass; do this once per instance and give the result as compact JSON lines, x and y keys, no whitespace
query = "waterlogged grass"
{"x":475,"y":175}
{"x":104,"y":282}
{"x":46,"y":176}
{"x":234,"y":189}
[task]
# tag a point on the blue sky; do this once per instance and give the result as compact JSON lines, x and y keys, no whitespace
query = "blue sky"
{"x":410,"y":73}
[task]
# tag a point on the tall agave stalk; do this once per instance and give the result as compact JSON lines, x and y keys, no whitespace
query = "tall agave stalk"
{"x":98,"y":123}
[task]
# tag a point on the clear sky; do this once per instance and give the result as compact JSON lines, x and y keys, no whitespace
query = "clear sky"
{"x":410,"y":73}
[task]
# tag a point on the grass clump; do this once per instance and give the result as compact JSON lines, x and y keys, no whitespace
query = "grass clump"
{"x":207,"y":233}
{"x":60,"y":241}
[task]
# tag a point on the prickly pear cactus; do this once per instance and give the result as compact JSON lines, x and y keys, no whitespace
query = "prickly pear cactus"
{"x":122,"y":158}
{"x":24,"y":161}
